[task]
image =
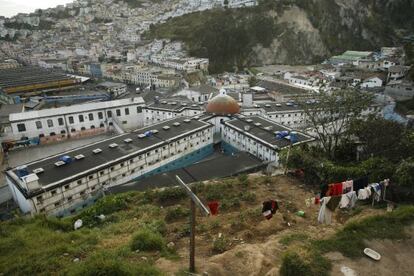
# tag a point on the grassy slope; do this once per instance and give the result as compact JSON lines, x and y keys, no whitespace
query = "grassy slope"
{"x":306,"y":258}
{"x":48,"y":246}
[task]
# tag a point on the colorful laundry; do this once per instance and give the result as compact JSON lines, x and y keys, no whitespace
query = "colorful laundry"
{"x":360,"y":183}
{"x":364,"y":193}
{"x":348,"y":200}
{"x":333,"y":203}
{"x":347,"y":186}
{"x":335,"y":189}
{"x":269,"y":208}
{"x":214,"y":207}
{"x":325,"y":215}
{"x":377,"y":188}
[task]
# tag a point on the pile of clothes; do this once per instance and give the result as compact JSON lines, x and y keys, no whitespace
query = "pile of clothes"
{"x":345,"y":195}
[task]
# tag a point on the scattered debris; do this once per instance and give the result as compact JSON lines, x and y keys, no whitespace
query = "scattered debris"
{"x":144,"y":258}
{"x":170,"y":245}
{"x":76,"y":260}
{"x":372,"y":254}
{"x":101,"y":217}
{"x":348,"y":271}
{"x":78,"y":224}
{"x":300,"y":213}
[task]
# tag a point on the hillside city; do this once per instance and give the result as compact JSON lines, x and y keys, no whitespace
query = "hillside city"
{"x":126,"y":150}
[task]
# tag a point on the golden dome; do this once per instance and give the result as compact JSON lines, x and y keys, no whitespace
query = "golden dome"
{"x":223,"y":104}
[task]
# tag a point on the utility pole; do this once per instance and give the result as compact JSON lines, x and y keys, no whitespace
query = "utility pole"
{"x":194,"y":201}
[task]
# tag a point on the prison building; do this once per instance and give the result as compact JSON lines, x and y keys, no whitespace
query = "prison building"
{"x":29,"y":80}
{"x":61,"y":184}
{"x":285,"y":113}
{"x":75,"y":120}
{"x":260,"y":137}
{"x":165,"y":109}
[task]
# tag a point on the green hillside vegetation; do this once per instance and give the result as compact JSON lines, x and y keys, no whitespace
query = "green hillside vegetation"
{"x":135,"y":226}
{"x":139,"y":226}
{"x":226,"y":36}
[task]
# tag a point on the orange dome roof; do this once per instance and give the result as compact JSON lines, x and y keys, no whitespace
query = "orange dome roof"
{"x":223,"y":104}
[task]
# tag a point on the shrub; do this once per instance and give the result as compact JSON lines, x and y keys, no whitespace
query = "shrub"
{"x":107,"y":264}
{"x":405,"y":173}
{"x":147,"y":240}
{"x":170,"y":194}
{"x":293,"y":265}
{"x":55,"y":223}
{"x":220,"y":245}
{"x":106,"y":205}
{"x":176,"y":213}
{"x":249,"y":197}
{"x":243,"y":179}
{"x":156,"y":225}
{"x":314,"y":264}
{"x":214,"y":191}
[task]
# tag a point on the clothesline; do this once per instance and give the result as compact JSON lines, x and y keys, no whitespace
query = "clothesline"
{"x":345,"y":194}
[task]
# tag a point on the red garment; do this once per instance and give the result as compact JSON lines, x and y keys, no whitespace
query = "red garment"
{"x":334,"y":189}
{"x":213,"y":206}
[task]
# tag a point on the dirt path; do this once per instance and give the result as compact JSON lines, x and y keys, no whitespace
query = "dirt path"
{"x":397,"y":259}
{"x":254,"y":247}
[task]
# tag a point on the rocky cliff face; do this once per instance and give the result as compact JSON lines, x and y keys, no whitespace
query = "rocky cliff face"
{"x":290,"y":31}
{"x":316,"y":29}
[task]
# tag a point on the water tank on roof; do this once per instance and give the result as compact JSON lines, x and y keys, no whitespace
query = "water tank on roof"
{"x":282,"y":134}
{"x":293,"y":137}
{"x":66,"y":158}
{"x":22,"y":171}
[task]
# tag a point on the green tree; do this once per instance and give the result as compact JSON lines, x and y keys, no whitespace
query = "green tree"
{"x":405,"y":174}
{"x":331,"y":116}
{"x":382,"y":138}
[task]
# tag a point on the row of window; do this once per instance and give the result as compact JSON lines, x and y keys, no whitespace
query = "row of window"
{"x":81,"y":118}
{"x":123,"y":164}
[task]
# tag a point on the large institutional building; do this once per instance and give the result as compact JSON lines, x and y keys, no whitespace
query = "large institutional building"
{"x":63,"y":183}
{"x":178,"y":135}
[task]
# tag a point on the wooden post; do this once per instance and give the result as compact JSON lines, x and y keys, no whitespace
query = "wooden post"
{"x":287,"y":159}
{"x":192,"y":235}
{"x":194,"y":201}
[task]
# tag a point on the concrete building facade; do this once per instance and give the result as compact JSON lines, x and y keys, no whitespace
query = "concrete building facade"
{"x":62,"y":184}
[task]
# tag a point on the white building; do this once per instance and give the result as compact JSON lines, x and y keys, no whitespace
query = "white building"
{"x":64,"y":122}
{"x":371,"y":82}
{"x":199,"y":94}
{"x":166,"y":109}
{"x":62,"y":184}
{"x":115,"y":89}
{"x":260,"y":137}
{"x":397,"y":72}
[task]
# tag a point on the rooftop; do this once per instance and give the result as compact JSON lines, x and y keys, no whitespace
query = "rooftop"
{"x":53,"y":175}
{"x":29,"y":75}
{"x":87,"y":107}
{"x":204,"y":89}
{"x":175,"y":104}
{"x":108,"y":84}
{"x":218,"y":167}
{"x":263,"y":130}
{"x":281,"y":88}
{"x":275,"y":107}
